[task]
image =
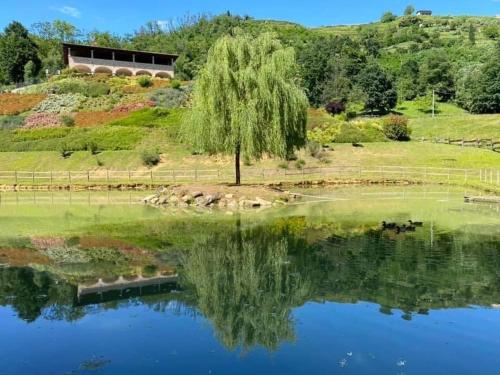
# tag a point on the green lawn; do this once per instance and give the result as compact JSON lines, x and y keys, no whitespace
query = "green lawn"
{"x":178,"y":157}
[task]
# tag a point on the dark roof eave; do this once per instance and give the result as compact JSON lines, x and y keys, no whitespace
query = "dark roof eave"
{"x":119,"y":49}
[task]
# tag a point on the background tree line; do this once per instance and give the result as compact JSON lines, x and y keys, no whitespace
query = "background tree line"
{"x":367,"y":67}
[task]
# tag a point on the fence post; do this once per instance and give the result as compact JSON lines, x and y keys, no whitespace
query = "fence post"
{"x":33,"y":177}
{"x":448,"y":175}
{"x":129,"y":176}
{"x":88,"y":176}
{"x":51,"y":178}
{"x":69,"y":177}
{"x":152,"y":180}
{"x":15,"y":176}
{"x":107,"y":176}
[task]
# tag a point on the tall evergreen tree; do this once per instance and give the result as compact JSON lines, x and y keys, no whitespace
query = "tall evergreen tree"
{"x":247,"y":101}
{"x":16,"y":50}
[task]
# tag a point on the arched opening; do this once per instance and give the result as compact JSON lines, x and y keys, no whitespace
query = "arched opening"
{"x":123,"y":72}
{"x":143,"y":73}
{"x":82,"y":69}
{"x":163,"y":75}
{"x":103,"y":70}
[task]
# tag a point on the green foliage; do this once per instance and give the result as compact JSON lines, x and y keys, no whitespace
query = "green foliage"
{"x":396,"y":128}
{"x":378,"y":88}
{"x":64,"y":103}
{"x":16,"y":50}
{"x":436,"y":74}
{"x":472,"y":34}
{"x":491,"y":32}
{"x":30,"y":72}
{"x":314,"y":149}
{"x":478,"y":88}
{"x":170,"y":98}
{"x":300,"y":164}
{"x":144,"y":81}
{"x":150,"y":157}
{"x":388,"y":17}
{"x":75,"y":139}
{"x":175,"y":84}
{"x":425,"y":102}
{"x":409,"y":10}
{"x":68,"y":120}
{"x":11,"y":122}
{"x":246,"y":100}
{"x":357,"y":132}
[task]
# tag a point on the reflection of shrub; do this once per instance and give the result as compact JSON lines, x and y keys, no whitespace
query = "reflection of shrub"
{"x":144,"y":81}
{"x":68,"y":120}
{"x":396,"y":128}
{"x":150,"y":158}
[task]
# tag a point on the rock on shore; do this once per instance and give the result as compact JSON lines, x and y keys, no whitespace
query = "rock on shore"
{"x":214,"y":198}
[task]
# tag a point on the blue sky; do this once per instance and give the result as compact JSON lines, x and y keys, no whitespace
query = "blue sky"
{"x":121,"y":16}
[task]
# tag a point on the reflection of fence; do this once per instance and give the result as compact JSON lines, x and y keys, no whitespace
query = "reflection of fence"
{"x":158,"y":177}
{"x":488,"y":143}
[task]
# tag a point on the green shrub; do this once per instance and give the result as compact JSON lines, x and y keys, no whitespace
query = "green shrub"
{"x":96,"y":89}
{"x":65,"y":103}
{"x":175,"y":84}
{"x":299,"y":164}
{"x":283,"y":165}
{"x":68,"y":121}
{"x":396,"y":128}
{"x":144,"y":81}
{"x":314,"y":149}
{"x":170,"y":98}
{"x":93,"y":148}
{"x":11,"y":122}
{"x":150,"y":158}
{"x":65,"y":151}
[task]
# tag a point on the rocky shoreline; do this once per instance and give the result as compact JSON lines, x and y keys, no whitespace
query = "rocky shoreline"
{"x":215,"y":197}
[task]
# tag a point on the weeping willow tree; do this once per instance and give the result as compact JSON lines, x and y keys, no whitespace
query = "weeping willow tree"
{"x":247,"y":101}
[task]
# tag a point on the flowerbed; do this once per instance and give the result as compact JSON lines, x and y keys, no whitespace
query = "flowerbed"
{"x":88,"y":119}
{"x":14,"y":104}
{"x":131,"y":107}
{"x":42,"y":120}
{"x":65,"y":103}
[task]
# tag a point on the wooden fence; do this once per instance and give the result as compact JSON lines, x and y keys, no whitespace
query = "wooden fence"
{"x":486,"y":143}
{"x":251,"y":175}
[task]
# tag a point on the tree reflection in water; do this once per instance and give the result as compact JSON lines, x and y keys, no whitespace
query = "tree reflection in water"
{"x":246,"y":286}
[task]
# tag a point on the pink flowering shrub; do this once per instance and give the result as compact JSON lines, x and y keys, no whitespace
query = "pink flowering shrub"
{"x":132,"y":107}
{"x":42,"y":120}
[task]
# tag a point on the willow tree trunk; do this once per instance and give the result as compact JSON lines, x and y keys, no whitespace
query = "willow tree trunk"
{"x":237,"y":164}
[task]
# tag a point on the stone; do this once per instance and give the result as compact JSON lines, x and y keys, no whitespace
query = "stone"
{"x":197,"y":194}
{"x":173,"y":199}
{"x":250,"y":204}
{"x":211,"y":199}
{"x":155,"y":200}
{"x":229,"y":196}
{"x":188,"y":198}
{"x":149,"y":198}
{"x":200,"y":201}
{"x":263,"y":202}
{"x":163,"y":200}
{"x":232,"y":204}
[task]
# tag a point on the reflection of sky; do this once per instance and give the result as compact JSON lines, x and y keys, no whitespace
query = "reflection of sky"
{"x":138,"y":340}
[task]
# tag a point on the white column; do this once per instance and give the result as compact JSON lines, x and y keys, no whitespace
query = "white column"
{"x":153,"y":60}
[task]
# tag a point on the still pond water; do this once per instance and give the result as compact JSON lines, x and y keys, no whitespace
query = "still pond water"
{"x":96,"y":283}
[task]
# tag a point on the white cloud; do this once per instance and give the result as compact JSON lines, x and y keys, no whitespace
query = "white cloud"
{"x":69,"y":11}
{"x":162,"y":24}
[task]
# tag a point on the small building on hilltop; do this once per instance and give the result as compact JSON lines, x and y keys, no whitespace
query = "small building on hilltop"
{"x":424,"y":13}
{"x":113,"y":61}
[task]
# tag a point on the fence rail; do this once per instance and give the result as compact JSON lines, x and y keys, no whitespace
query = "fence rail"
{"x":486,"y":143}
{"x":489,"y":177}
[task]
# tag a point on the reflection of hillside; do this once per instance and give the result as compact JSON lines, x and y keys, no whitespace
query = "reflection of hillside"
{"x":247,"y":279}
